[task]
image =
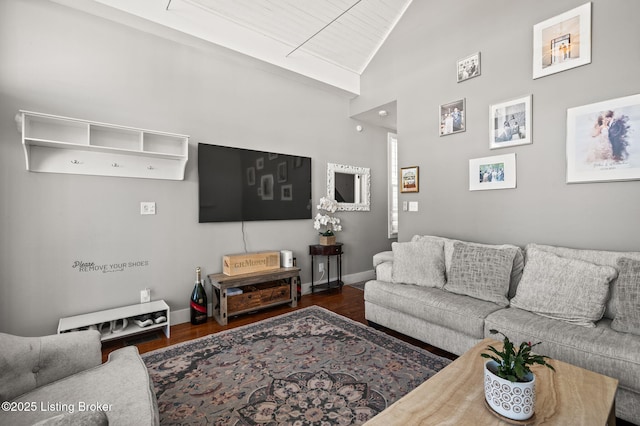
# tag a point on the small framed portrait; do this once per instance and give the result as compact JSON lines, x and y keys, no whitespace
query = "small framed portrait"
{"x":282,"y":172}
{"x":497,"y":172}
{"x":409,"y":179}
{"x":260,"y":163}
{"x":602,"y":141}
{"x":510,"y":123}
{"x":251,"y":176}
{"x":562,"y":42}
{"x":452,"y":117}
{"x":468,"y":67}
{"x":286,"y":192}
{"x":266,"y":183}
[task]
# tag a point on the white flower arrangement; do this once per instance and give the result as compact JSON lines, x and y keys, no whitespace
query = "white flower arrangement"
{"x":331,"y":223}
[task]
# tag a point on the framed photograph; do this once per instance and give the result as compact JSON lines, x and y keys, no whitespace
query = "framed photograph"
{"x":562,"y":42}
{"x":409,"y":179}
{"x":251,"y":176}
{"x":282,"y":172}
{"x":468,"y":67}
{"x":286,"y":192}
{"x":510,"y":123}
{"x":266,"y":184}
{"x":260,"y":163}
{"x":452,"y":117}
{"x":603,"y":140}
{"x":497,"y":172}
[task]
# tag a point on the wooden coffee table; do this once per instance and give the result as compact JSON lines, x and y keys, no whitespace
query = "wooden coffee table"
{"x":455,"y":396}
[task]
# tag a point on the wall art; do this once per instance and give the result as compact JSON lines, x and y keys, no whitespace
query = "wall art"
{"x":409,"y":179}
{"x":603,"y":141}
{"x":510,"y":123}
{"x":562,"y":42}
{"x":452,"y":117}
{"x":496,"y":172}
{"x":468,"y":67}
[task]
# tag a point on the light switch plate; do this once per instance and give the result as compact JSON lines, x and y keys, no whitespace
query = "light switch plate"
{"x":145,"y":295}
{"x":147,"y":207}
{"x":413,"y":206}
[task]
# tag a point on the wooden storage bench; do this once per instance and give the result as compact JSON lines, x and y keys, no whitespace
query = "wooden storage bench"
{"x":260,"y":290}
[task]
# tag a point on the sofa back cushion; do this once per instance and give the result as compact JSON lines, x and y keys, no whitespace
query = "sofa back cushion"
{"x":627,"y":318}
{"x":571,"y":290}
{"x":420,"y":263}
{"x":599,"y":257}
{"x":516,"y":269}
{"x":481,"y":272}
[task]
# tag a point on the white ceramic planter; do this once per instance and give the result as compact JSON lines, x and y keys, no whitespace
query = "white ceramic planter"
{"x":514,"y":400}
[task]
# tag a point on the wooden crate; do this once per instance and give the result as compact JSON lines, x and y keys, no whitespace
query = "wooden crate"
{"x":244,"y":263}
{"x":258,"y":295}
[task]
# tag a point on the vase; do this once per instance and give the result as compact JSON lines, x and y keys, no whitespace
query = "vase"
{"x":513,"y":400}
{"x":327,"y":240}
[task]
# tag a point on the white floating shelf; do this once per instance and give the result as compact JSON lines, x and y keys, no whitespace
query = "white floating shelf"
{"x":55,"y":144}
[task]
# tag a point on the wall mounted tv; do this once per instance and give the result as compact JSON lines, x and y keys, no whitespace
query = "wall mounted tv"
{"x":243,"y":185}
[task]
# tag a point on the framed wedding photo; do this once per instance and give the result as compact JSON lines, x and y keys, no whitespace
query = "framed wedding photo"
{"x":468,"y":67}
{"x":603,"y":140}
{"x":497,"y":172}
{"x":562,"y":42}
{"x":510,"y":123}
{"x":409,"y":179}
{"x":452,"y":117}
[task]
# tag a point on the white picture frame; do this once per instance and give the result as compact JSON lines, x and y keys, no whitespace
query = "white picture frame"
{"x":468,"y":67}
{"x":603,"y":141}
{"x":510,"y":123}
{"x":496,"y":172}
{"x":562,"y":42}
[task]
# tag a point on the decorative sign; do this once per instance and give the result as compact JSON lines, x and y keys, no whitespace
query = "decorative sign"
{"x":82,"y":266}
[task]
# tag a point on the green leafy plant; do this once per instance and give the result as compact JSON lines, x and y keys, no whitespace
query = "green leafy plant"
{"x":514,"y":364}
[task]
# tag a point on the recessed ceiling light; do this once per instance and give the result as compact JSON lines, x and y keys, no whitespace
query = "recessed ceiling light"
{"x":383,"y":113}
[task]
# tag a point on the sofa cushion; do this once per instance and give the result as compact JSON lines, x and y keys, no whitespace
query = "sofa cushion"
{"x":121,"y":385}
{"x":567,"y":289}
{"x":598,"y":349}
{"x":420,"y":263}
{"x":627,"y":318}
{"x":599,"y":257}
{"x":518,"y":260}
{"x":460,"y":313}
{"x":481,"y":272}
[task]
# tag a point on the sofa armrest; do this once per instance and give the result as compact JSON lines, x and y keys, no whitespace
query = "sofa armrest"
{"x":27,"y":363}
{"x":384,"y":256}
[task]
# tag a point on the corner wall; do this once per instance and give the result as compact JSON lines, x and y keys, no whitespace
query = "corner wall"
{"x":417,"y":67}
{"x":62,"y":61}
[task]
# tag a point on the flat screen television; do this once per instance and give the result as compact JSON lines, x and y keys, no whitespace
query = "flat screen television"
{"x":238,"y":184}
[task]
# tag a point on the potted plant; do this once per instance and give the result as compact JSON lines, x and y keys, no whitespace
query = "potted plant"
{"x":509,"y":384}
{"x":331,"y":223}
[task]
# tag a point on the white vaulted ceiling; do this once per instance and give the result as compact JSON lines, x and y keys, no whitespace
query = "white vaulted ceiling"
{"x":332,"y":41}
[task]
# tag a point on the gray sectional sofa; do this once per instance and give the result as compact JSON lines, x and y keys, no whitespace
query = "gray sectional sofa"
{"x":583,"y":305}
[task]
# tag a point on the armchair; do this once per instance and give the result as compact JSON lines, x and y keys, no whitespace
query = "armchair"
{"x":59,"y":379}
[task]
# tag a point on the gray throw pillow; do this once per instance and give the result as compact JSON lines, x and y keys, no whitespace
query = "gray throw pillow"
{"x":420,"y":263}
{"x":627,"y":318}
{"x":481,"y":272}
{"x":566,"y":289}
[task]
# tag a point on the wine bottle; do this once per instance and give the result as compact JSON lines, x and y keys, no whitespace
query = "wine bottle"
{"x":198,"y":305}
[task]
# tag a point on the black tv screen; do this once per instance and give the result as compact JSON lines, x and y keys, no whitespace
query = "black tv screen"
{"x":238,"y":184}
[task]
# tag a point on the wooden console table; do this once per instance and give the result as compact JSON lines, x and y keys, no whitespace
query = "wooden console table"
{"x":255,"y":299}
{"x":328,"y":251}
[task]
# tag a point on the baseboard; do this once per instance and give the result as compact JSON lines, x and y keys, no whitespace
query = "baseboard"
{"x":181,"y":316}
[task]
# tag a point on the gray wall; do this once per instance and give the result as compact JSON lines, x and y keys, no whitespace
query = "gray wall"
{"x":416,"y":66}
{"x":61,"y":61}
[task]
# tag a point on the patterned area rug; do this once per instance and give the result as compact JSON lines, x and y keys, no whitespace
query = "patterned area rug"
{"x":308,"y":367}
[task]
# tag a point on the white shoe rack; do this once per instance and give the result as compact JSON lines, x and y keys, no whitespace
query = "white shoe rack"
{"x":119,"y":322}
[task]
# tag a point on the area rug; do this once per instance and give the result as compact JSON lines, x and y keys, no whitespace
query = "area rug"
{"x":307,"y":367}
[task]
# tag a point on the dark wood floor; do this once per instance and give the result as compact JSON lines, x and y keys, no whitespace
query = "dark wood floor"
{"x":349,"y":303}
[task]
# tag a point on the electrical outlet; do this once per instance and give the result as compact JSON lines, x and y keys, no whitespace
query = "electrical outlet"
{"x":320,"y":267}
{"x":145,"y":295}
{"x":147,"y":207}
